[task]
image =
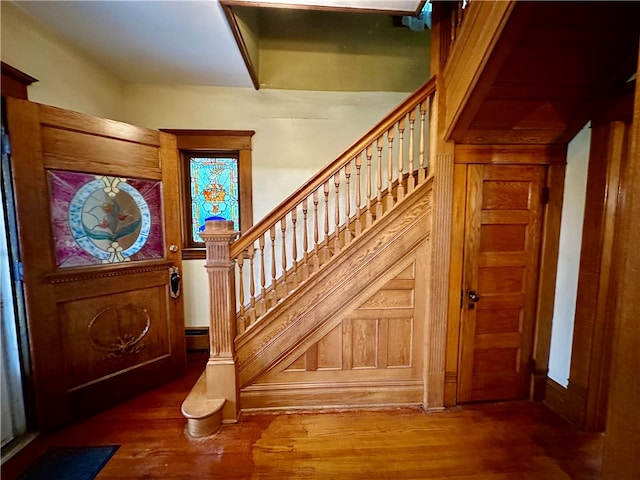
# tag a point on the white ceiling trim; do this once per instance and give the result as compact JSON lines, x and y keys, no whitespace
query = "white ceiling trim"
{"x":408,"y":7}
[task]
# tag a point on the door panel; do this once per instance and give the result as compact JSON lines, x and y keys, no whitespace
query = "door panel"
{"x":97,"y":207}
{"x":502,"y":241}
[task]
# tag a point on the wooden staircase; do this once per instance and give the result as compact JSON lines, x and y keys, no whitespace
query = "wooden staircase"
{"x":331,"y":287}
{"x":351,"y":334}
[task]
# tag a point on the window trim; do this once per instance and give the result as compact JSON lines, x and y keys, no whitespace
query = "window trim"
{"x":235,"y":142}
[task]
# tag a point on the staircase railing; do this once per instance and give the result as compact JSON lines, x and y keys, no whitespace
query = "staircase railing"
{"x":333,"y":208}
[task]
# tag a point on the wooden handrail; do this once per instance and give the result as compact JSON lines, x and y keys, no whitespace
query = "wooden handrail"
{"x":251,"y":235}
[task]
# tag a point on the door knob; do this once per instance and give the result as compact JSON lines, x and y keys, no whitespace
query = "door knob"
{"x":173,"y":248}
{"x":473,"y":298}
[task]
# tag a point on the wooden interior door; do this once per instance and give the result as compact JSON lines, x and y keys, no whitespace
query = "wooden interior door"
{"x":502,"y":242}
{"x":98,"y":219}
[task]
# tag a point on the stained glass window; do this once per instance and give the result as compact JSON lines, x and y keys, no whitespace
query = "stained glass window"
{"x":101,"y":219}
{"x":214,"y":191}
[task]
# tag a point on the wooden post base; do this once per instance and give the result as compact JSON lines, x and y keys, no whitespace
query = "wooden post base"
{"x":221,"y":382}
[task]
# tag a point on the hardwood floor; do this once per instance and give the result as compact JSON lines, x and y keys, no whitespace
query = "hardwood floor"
{"x":515,"y":440}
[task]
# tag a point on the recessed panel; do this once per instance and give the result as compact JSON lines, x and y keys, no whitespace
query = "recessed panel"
{"x":503,"y":195}
{"x":298,"y":365}
{"x":498,"y":320}
{"x":364,"y":342}
{"x":393,"y":298}
{"x":501,"y":280}
{"x":399,"y":342}
{"x":502,"y":238}
{"x":330,"y":350}
{"x":107,"y":334}
{"x":496,"y":360}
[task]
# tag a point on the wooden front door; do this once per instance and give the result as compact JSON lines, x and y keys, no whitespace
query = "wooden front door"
{"x":502,"y":242}
{"x":98,"y":219}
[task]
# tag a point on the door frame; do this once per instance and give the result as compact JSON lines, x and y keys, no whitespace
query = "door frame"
{"x":555,"y":157}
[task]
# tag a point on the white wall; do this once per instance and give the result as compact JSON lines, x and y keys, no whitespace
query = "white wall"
{"x":66,"y":78}
{"x":564,"y":308}
{"x":297,"y":133}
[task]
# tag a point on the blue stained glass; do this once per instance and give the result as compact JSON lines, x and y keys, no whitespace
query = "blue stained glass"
{"x":214,"y":191}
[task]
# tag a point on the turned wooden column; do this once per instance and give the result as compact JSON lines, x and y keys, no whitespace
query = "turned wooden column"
{"x":222,"y":378}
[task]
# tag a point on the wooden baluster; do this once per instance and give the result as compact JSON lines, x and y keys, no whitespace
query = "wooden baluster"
{"x":242,"y":324}
{"x":380,"y":145}
{"x":316,"y":232}
{"x":263,"y":276}
{"x":401,"y":124}
{"x":327,"y":253}
{"x":369,"y":218}
{"x":305,"y":238}
{"x":294,"y":246}
{"x":433,"y":133}
{"x":336,"y":236}
{"x":389,"y":196}
{"x":347,"y":207}
{"x":252,"y":285}
{"x":422,"y":169}
{"x":274,"y":293}
{"x":283,"y":230}
{"x":358,"y":194}
{"x":411,"y":183}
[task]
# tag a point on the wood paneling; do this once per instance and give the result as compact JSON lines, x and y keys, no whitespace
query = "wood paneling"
{"x":622,"y":437}
{"x":361,"y":341}
{"x":64,"y":148}
{"x":527,"y":72}
{"x":591,"y":349}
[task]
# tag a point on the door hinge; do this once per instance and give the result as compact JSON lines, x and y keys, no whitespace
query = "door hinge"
{"x":545,"y":195}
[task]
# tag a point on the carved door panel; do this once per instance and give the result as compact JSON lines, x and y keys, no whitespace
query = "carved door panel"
{"x":502,"y":243}
{"x":98,"y":213}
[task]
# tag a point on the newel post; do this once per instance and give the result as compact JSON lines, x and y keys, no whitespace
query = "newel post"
{"x":222,"y":377}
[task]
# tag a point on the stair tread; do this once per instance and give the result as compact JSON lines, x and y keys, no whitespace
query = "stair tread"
{"x":197,"y":405}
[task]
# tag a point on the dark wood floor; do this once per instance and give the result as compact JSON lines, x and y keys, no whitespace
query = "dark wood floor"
{"x":518,"y":440}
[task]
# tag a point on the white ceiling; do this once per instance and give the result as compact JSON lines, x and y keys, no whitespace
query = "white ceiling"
{"x":166,"y":41}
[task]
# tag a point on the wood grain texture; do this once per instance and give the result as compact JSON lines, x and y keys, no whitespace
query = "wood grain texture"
{"x":14,"y":83}
{"x":502,"y":241}
{"x":98,"y":333}
{"x":528,"y":72}
{"x":594,"y":321}
{"x":547,"y":279}
{"x":623,"y":417}
{"x":356,"y":327}
{"x":480,"y":442}
{"x":289,"y":320}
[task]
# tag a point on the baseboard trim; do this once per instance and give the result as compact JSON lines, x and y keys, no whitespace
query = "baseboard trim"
{"x":197,"y":338}
{"x":555,"y":397}
{"x":337,"y":396}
